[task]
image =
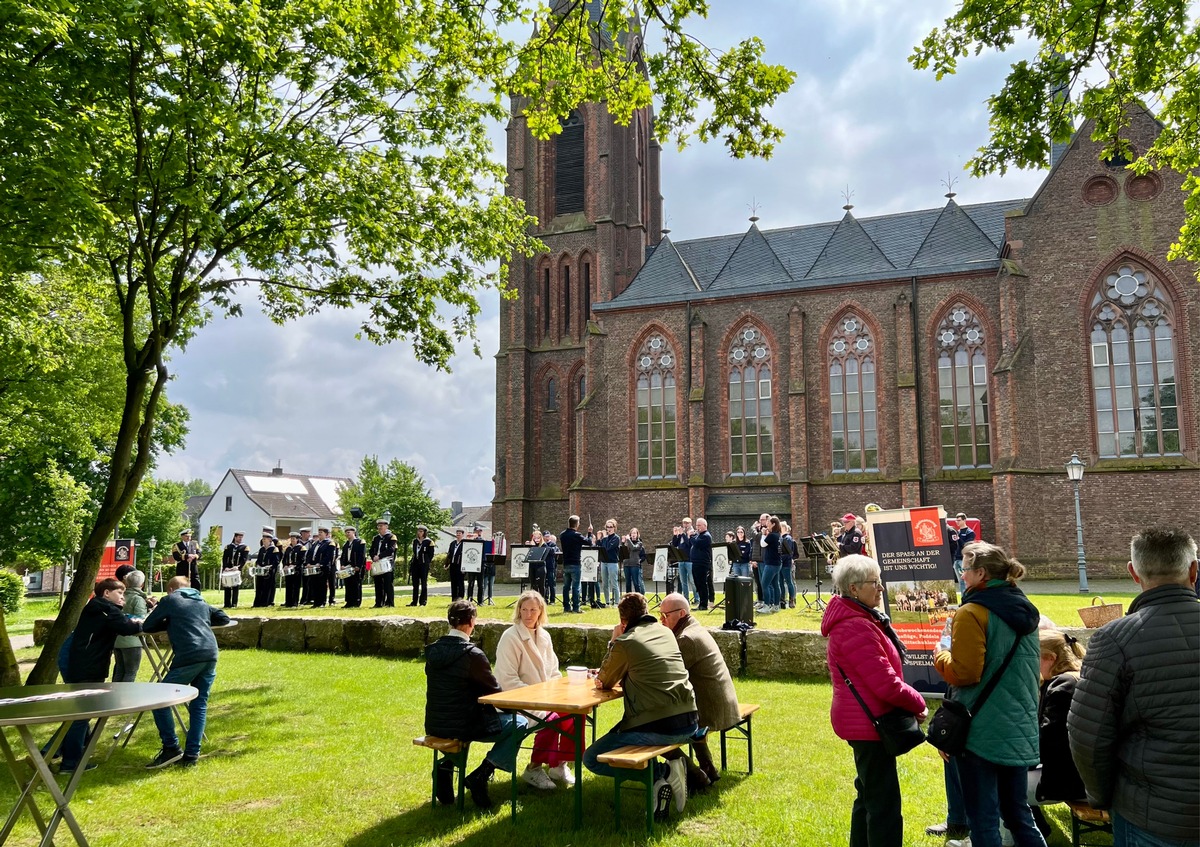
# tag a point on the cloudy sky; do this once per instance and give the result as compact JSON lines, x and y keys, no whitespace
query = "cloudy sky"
{"x":313,"y":398}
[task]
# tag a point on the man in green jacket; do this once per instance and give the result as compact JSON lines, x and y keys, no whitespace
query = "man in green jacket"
{"x":660,"y":706}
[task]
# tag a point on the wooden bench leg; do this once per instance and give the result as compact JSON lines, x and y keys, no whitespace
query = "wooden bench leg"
{"x":648,"y":781}
{"x":723,"y":763}
{"x":750,"y":742}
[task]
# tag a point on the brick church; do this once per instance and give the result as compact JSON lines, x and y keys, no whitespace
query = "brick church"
{"x":954,"y":356}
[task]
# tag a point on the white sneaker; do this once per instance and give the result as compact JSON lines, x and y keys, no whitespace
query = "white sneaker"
{"x":678,"y":780}
{"x":538,"y":779}
{"x":954,"y":842}
{"x":564,"y":774}
{"x":1006,"y":837}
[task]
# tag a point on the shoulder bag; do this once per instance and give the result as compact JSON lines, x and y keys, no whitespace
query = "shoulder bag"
{"x":951,"y":724}
{"x":898,"y":729}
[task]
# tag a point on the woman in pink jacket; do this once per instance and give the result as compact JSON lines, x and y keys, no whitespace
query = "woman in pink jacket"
{"x":863,"y":646}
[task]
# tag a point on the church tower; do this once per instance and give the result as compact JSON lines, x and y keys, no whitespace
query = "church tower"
{"x":594,"y":189}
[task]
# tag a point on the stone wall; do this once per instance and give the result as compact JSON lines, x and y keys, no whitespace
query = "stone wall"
{"x":766,"y":654}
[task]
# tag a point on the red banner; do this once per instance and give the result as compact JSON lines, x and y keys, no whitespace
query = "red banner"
{"x":926,"y":527}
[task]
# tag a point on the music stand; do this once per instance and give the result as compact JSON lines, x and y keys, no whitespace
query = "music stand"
{"x":821,"y":552}
{"x":731,"y":550}
{"x":674,"y":557}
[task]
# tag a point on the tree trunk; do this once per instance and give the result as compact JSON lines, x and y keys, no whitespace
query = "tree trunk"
{"x":10,"y":674}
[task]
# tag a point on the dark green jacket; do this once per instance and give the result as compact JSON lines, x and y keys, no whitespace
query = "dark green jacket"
{"x":645,"y":660}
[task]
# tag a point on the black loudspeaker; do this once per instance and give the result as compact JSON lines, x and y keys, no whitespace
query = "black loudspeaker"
{"x":739,"y":599}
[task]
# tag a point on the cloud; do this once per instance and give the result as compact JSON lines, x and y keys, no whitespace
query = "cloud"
{"x":311,"y":396}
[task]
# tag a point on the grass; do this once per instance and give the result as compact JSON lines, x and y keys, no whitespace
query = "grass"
{"x":316,"y":749}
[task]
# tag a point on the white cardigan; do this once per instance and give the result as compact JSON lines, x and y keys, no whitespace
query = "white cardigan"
{"x":525,"y":658}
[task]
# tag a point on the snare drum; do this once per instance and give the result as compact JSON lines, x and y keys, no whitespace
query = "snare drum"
{"x":383,"y":565}
{"x":260,"y":570}
{"x":312,"y":570}
{"x":231,"y":579}
{"x":289,"y":570}
{"x":346,"y":573}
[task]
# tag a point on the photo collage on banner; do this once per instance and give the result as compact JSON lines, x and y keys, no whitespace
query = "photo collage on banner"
{"x":912,"y":547}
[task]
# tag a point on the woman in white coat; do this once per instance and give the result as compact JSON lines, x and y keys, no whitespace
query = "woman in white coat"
{"x":525,"y":656}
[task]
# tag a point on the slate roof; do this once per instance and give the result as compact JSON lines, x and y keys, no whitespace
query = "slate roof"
{"x":291,"y":504}
{"x":926,"y":242}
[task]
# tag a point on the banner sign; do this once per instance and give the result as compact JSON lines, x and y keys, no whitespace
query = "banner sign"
{"x":472,"y":556}
{"x":517,"y":559}
{"x":589,"y":560}
{"x":660,"y":564}
{"x":912,"y":547}
{"x":720,"y":563}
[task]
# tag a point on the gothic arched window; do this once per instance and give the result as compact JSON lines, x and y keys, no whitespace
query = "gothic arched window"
{"x":852,"y":410}
{"x":551,"y":396}
{"x":1133,"y":365}
{"x":963,"y":390}
{"x":655,"y":369}
{"x":568,"y":166}
{"x":566,"y":298}
{"x":751,"y":428}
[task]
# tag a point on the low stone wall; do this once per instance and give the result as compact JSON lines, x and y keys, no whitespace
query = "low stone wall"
{"x":763,"y":653}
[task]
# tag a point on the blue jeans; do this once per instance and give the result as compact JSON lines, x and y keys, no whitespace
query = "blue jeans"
{"x":200,"y":676}
{"x":958,"y":575}
{"x":633,"y":579}
{"x":489,"y":581}
{"x":769,"y":575}
{"x":570,"y":589}
{"x":687,"y":586}
{"x":73,"y":743}
{"x":786,"y":582}
{"x":550,"y":584}
{"x":740,"y":569}
{"x":1126,"y":834}
{"x":956,"y":807}
{"x":615,"y":739}
{"x":993,"y":793}
{"x":610,"y":582}
{"x":506,"y":742}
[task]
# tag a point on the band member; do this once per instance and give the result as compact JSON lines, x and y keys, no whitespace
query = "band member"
{"x":422,"y":557}
{"x":323,"y":554}
{"x":354,"y":555}
{"x":233,"y":559}
{"x":186,"y":554}
{"x":474,"y":578}
{"x":293,"y":570}
{"x":851,"y":541}
{"x":383,"y":546}
{"x":269,"y":556}
{"x":306,"y":545}
{"x":454,"y":563}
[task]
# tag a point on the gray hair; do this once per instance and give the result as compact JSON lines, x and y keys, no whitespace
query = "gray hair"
{"x":135,"y":579}
{"x":854,"y":569}
{"x":1162,"y":553}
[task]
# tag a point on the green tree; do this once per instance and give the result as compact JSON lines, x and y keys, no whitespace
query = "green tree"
{"x":313,"y":154}
{"x":1094,"y":61}
{"x":157,"y":512}
{"x":397,"y":488}
{"x":196,"y":488}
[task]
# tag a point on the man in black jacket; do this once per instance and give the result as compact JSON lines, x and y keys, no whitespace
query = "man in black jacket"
{"x":457,"y":674}
{"x":354,"y":555}
{"x":1134,"y":724}
{"x":419,"y":562}
{"x":383,"y":547}
{"x":324,"y":556}
{"x":233,"y":559}
{"x":454,"y":566}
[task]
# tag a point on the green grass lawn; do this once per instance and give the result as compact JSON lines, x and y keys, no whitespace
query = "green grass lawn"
{"x":317,"y":749}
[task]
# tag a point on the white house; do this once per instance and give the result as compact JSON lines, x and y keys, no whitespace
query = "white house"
{"x":246,"y":501}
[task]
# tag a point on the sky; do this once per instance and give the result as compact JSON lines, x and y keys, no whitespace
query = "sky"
{"x":858,"y":118}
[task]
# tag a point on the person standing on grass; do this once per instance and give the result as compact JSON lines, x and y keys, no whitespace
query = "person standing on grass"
{"x":610,"y":561}
{"x":525,"y":656}
{"x":127,"y":649}
{"x":419,"y":562}
{"x":454,"y":565}
{"x":865,"y":649}
{"x":457,"y":674}
{"x":293,"y":557}
{"x":700,"y":554}
{"x":354,"y":555}
{"x":571,"y":544}
{"x":188,"y":622}
{"x":660,"y":706}
{"x":269,"y":556}
{"x":771,"y":563}
{"x":90,"y":653}
{"x":633,"y":555}
{"x":551,"y":567}
{"x":1134,"y":722}
{"x":233,"y":559}
{"x":383,"y":546}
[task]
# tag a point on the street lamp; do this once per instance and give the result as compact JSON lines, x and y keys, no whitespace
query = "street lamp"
{"x":153,"y":544}
{"x":1075,"y":474}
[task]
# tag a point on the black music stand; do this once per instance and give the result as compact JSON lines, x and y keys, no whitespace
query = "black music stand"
{"x":734,"y":554}
{"x":821,"y":552}
{"x":674,"y":557}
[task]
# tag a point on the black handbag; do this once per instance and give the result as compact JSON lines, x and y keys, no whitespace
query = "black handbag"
{"x":898,"y":729}
{"x":951,"y":724}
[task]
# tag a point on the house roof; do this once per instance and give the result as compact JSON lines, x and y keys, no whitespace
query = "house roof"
{"x":471,"y":515}
{"x":926,"y":242}
{"x":287,"y":495}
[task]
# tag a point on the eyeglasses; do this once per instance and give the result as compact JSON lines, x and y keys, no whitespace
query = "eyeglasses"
{"x":874,"y":582}
{"x":662,"y":613}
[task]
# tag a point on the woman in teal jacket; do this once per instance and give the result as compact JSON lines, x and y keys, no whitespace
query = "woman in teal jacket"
{"x":1003,"y":741}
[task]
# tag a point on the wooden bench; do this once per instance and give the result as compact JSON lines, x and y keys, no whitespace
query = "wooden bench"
{"x":446,"y":749}
{"x":1085,"y":820}
{"x":745,"y":729}
{"x":639,"y":762}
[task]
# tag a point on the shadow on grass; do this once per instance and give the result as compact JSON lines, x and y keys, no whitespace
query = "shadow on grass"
{"x":542,"y":817}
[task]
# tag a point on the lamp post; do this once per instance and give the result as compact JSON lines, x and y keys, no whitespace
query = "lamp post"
{"x":1075,"y":474}
{"x":153,"y":544}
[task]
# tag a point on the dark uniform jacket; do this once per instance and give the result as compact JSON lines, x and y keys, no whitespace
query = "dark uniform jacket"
{"x":179,"y":553}
{"x":234,"y":557}
{"x":383,"y":547}
{"x":324,"y":553}
{"x":268,"y":557}
{"x":354,"y":554}
{"x":422,"y":551}
{"x":457,"y":674}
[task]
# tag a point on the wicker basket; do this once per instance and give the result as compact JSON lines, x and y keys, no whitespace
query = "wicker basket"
{"x":1094,"y":616}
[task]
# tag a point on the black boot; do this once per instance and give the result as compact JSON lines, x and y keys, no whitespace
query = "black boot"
{"x":445,"y":782}
{"x":477,"y":781}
